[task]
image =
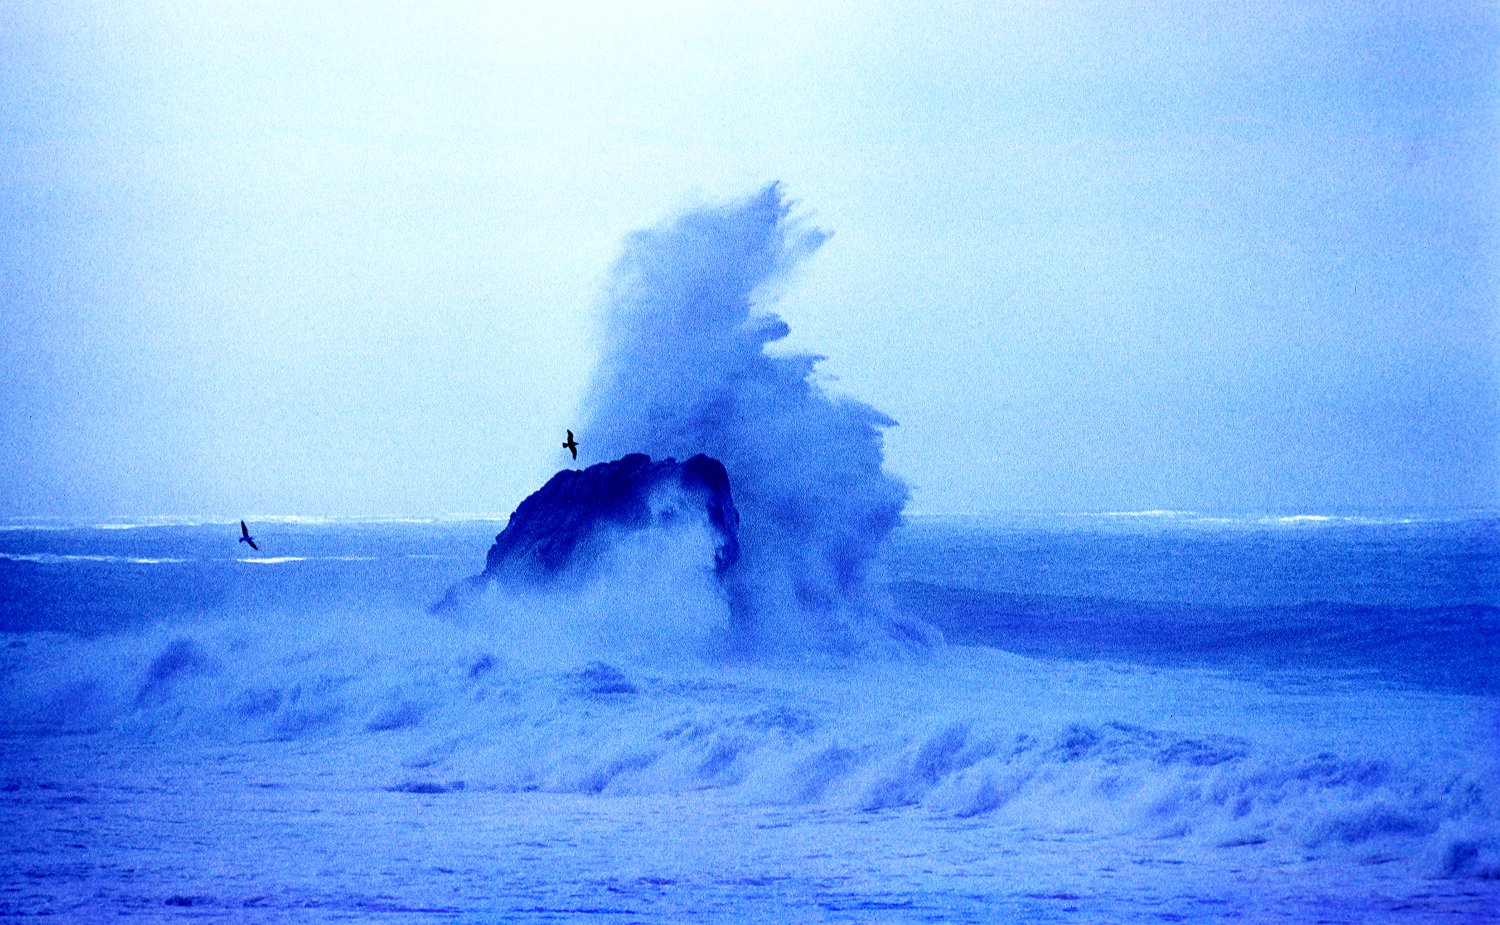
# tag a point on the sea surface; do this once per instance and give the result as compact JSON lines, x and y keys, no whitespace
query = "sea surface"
{"x":1134,"y":717}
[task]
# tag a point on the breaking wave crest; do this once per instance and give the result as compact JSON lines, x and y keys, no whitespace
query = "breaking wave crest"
{"x":431,"y":706}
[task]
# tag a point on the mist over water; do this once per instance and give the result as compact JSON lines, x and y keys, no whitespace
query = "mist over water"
{"x":685,"y":369}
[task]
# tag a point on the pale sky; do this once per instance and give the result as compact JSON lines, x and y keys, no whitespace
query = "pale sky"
{"x":316,"y":258}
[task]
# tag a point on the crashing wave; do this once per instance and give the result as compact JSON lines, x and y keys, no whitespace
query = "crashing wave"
{"x":684,"y":374}
{"x":685,"y":370}
{"x":561,"y":533}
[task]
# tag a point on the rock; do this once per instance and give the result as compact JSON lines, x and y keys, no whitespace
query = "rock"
{"x":559,"y":531}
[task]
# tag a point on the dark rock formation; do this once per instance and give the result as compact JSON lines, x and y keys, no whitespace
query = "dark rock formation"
{"x":560,"y":530}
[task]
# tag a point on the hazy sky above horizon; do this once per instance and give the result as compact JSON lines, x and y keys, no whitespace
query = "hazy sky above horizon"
{"x":328,"y":259}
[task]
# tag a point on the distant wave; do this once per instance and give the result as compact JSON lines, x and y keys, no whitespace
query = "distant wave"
{"x":1177,"y":518}
{"x":278,"y":560}
{"x":1291,"y":520}
{"x":145,"y":523}
{"x":1277,"y":519}
{"x":47,"y":558}
{"x":51,"y":525}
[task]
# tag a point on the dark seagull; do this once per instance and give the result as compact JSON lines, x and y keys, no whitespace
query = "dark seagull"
{"x":245,"y":537}
{"x":572,"y":445}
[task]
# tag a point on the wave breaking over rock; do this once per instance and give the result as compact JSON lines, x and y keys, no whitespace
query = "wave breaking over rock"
{"x":684,"y":370}
{"x":684,"y":374}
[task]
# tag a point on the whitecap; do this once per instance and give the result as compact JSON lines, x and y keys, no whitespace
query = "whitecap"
{"x":48,"y":558}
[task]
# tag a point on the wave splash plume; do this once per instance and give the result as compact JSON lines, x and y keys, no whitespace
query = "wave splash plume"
{"x":684,"y":370}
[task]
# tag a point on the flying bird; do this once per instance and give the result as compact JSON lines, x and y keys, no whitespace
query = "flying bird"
{"x":571,"y":445}
{"x":245,"y":537}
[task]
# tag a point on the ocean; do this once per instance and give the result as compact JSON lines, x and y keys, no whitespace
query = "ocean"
{"x":1133,"y":717}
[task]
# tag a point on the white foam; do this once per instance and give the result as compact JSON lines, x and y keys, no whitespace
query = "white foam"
{"x":60,"y":559}
{"x":513,"y":696}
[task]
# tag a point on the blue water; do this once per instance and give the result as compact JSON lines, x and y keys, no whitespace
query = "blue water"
{"x":1139,"y":718}
{"x":1408,"y":601}
{"x":100,"y":578}
{"x":1411,"y":601}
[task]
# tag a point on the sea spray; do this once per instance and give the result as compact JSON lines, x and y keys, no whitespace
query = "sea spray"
{"x":684,"y":370}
